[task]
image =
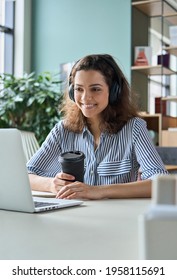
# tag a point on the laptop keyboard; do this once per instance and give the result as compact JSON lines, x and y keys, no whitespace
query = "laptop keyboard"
{"x":43,"y":204}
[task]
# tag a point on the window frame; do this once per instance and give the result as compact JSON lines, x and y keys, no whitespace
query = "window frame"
{"x":7,"y":33}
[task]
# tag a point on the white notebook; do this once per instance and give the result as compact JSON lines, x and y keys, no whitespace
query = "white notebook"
{"x":43,"y":194}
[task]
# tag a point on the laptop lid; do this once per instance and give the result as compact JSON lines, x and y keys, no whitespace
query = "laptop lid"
{"x":15,"y":190}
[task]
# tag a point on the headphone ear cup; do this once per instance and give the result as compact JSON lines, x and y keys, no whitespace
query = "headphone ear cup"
{"x":114,"y":93}
{"x":71,"y":92}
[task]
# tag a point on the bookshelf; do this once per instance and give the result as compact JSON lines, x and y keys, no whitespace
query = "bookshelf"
{"x":162,"y":15}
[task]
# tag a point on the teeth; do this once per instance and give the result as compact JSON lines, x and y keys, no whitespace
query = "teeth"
{"x":88,"y":105}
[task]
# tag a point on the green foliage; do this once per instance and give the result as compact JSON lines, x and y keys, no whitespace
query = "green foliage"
{"x":30,"y":103}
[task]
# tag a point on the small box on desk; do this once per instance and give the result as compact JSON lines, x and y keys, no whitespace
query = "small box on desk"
{"x":158,"y":225}
{"x":157,"y":239}
{"x":143,"y":56}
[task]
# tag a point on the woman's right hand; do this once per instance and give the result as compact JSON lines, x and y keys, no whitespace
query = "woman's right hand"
{"x":60,"y":180}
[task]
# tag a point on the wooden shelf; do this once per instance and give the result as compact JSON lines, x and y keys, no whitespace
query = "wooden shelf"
{"x":153,"y":70}
{"x":171,"y":50}
{"x":154,"y":122}
{"x":170,"y":98}
{"x":171,"y":18}
{"x":168,"y":121}
{"x":154,"y":8}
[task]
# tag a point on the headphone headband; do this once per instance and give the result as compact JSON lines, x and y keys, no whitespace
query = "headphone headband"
{"x":115,"y":90}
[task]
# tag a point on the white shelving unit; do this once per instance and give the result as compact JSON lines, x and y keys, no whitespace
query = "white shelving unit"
{"x":167,"y":16}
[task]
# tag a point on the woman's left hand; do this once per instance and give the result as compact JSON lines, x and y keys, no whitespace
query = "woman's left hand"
{"x":78,"y":190}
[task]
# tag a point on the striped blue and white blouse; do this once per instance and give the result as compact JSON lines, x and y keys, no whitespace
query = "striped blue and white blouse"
{"x":117,"y":159}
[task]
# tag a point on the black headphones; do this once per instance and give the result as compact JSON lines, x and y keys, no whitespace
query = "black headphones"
{"x":115,"y":90}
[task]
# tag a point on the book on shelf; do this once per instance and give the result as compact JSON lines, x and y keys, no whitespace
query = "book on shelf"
{"x":160,"y":106}
{"x":143,"y":56}
{"x":172,"y":129}
{"x":164,"y":59}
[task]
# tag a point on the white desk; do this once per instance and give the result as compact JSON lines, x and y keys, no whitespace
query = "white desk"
{"x":105,"y":229}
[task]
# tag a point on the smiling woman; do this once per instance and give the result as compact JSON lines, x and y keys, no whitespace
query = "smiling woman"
{"x":91,"y":94}
{"x":100,"y":119}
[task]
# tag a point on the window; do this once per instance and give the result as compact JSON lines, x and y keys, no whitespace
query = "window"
{"x":7,"y":10}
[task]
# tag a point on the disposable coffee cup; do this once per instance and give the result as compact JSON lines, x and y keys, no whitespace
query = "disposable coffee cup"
{"x":72,"y":163}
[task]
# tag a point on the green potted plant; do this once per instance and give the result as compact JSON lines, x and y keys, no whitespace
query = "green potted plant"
{"x":30,"y":102}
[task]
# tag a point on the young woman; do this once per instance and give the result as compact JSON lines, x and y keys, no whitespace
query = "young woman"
{"x":101,"y":120}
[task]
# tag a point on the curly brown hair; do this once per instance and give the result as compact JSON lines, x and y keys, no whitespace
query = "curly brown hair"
{"x":116,"y":114}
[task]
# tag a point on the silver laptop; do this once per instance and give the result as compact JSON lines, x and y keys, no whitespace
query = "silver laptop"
{"x":15,"y":191}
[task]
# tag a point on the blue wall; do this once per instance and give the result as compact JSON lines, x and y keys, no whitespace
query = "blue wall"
{"x":65,"y":30}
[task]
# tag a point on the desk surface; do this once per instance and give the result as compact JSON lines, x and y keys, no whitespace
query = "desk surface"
{"x":102,"y":230}
{"x":171,"y":167}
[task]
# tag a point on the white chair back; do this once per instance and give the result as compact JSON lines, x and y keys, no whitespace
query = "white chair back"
{"x":30,"y":143}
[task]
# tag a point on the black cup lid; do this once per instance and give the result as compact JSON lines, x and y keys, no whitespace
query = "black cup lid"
{"x":72,"y":156}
